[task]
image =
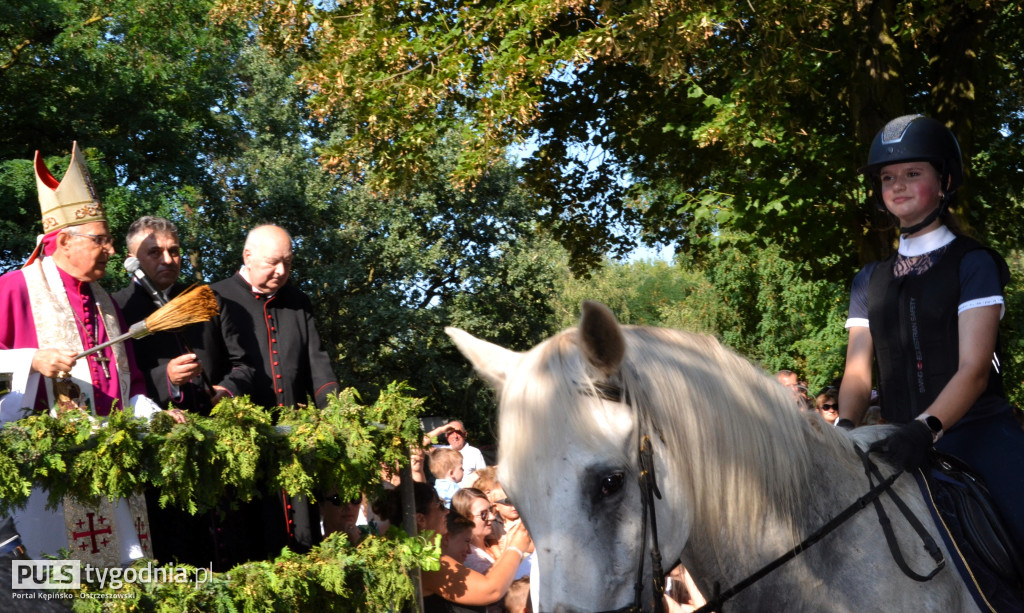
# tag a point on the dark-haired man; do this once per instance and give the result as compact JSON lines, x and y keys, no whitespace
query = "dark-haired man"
{"x":178,"y":368}
{"x":195,"y":367}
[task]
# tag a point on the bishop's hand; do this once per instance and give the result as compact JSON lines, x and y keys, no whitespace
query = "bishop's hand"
{"x":53,"y":363}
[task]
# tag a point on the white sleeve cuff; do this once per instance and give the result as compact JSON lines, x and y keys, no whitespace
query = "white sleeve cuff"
{"x":983,"y":302}
{"x":23,"y":382}
{"x":857,"y":322}
{"x":144,"y":407}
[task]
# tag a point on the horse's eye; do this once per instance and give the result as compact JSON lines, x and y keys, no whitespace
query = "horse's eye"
{"x":611,"y":484}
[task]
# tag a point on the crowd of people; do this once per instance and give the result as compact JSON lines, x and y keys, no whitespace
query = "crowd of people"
{"x":488,"y":563}
{"x":826,"y":401}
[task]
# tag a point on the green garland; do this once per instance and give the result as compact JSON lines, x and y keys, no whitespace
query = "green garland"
{"x":228,"y":457}
{"x":333,"y":577}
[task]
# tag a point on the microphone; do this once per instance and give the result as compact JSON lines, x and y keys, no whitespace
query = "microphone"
{"x":134,"y":267}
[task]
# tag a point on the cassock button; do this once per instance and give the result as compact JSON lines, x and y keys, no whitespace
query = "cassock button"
{"x":278,"y":376}
{"x":280,"y":391}
{"x":275,"y":363}
{"x":274,"y":352}
{"x":273,"y":340}
{"x":273,"y":329}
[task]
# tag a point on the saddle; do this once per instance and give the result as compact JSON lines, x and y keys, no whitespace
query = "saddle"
{"x":974,"y":534}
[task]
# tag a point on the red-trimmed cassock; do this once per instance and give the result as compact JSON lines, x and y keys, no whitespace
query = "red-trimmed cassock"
{"x":284,"y":346}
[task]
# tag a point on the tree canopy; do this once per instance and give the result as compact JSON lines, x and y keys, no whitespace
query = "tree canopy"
{"x":139,"y":83}
{"x":687,"y":123}
{"x":451,"y":162}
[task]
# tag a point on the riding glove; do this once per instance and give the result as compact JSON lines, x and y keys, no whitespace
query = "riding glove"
{"x":906,"y":448}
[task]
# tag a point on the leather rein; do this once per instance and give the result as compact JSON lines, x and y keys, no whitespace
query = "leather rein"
{"x":649,"y":490}
{"x":872,"y":497}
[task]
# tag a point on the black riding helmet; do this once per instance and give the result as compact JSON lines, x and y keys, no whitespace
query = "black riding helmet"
{"x":911,"y":138}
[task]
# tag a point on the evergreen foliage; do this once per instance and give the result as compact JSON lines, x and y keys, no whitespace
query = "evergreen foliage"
{"x":333,"y":577}
{"x":225,"y":458}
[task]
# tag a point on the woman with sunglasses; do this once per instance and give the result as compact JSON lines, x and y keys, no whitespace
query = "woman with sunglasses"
{"x":827,"y":404}
{"x":472,"y":504}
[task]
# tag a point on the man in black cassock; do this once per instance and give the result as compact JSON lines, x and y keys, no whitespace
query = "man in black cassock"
{"x":281,"y":341}
{"x":191,"y":369}
{"x":280,"y":335}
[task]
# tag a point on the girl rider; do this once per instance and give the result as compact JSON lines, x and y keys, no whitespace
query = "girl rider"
{"x":934,"y":309}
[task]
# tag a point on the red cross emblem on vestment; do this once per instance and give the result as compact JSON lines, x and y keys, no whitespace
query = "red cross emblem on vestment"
{"x":92,"y":532}
{"x":140,"y":526}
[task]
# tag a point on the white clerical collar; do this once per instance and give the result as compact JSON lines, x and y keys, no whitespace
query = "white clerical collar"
{"x":911,"y":246}
{"x":245,"y":275}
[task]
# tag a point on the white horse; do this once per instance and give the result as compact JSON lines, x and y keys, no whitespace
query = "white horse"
{"x":744,"y":476}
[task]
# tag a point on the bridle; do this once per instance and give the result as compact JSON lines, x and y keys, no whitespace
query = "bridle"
{"x":648,"y":517}
{"x":649,"y":490}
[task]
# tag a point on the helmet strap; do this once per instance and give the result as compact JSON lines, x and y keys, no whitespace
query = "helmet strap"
{"x":944,"y":199}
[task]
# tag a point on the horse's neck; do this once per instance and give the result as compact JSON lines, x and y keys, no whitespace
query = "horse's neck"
{"x":832,"y":484}
{"x":833,"y":480}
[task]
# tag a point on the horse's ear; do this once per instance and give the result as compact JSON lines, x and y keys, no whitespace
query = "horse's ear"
{"x":601,"y":338}
{"x":491,"y":361}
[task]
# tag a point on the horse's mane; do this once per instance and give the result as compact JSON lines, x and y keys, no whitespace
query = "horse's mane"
{"x":748,"y":451}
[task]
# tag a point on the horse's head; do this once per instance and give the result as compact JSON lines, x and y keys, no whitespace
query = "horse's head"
{"x":730,"y":451}
{"x":568,"y":459}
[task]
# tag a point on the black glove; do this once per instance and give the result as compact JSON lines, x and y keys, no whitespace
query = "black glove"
{"x":907,"y":448}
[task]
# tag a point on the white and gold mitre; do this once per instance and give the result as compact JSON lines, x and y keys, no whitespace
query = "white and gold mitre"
{"x":71,"y":201}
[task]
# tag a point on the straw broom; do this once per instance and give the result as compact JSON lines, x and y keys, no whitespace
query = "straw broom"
{"x":194,"y":305}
